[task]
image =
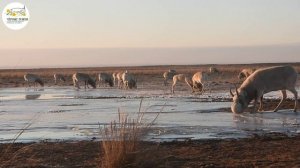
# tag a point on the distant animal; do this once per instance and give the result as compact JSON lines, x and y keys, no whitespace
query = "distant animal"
{"x":106,"y":79}
{"x":168,"y":75}
{"x":129,"y":81}
{"x":181,"y":78}
{"x":33,"y":78}
{"x":114,"y":75}
{"x":78,"y":77}
{"x":200,"y":80}
{"x":120,"y":80}
{"x":213,"y":70}
{"x":261,"y":82}
{"x":246,"y":72}
{"x":204,"y":79}
{"x":59,"y":77}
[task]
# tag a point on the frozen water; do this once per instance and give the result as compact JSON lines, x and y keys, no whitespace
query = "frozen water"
{"x":65,"y":113}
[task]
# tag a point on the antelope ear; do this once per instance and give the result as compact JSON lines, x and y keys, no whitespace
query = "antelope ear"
{"x":232,"y":95}
{"x":240,"y":76}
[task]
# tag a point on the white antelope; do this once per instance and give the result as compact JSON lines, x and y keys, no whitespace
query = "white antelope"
{"x":120,"y":80}
{"x":106,"y":79}
{"x":77,"y":77}
{"x":168,"y":75}
{"x":33,"y":78}
{"x":263,"y":81}
{"x":59,"y":77}
{"x":129,"y":81}
{"x":114,"y":75}
{"x":246,"y":72}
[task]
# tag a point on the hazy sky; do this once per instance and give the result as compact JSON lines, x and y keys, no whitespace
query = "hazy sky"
{"x":182,"y":24}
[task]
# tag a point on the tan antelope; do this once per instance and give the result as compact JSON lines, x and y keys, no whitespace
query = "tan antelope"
{"x":181,"y":78}
{"x":198,"y":81}
{"x":246,"y":72}
{"x":129,"y":81}
{"x":106,"y":79}
{"x":168,"y":75}
{"x":33,"y":78}
{"x":205,"y":79}
{"x":59,"y":77}
{"x":78,"y":77}
{"x":263,"y":81}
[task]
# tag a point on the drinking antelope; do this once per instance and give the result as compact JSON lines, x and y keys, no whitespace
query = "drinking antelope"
{"x":129,"y":81}
{"x":59,"y":77}
{"x":263,"y":81}
{"x":77,"y":77}
{"x":168,"y":75}
{"x":105,"y":78}
{"x":33,"y":78}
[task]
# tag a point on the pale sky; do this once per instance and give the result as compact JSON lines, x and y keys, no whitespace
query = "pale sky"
{"x":160,"y":28}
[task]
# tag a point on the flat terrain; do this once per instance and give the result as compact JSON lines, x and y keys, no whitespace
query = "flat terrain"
{"x":272,"y":150}
{"x":146,"y":75}
{"x":268,"y":150}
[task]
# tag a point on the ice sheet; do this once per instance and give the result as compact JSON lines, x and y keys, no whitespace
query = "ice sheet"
{"x":65,"y":113}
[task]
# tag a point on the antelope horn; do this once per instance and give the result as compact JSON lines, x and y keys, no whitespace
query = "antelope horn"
{"x":237,"y":93}
{"x":232,"y":95}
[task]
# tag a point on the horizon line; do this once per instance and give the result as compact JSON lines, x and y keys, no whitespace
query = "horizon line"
{"x":160,"y":47}
{"x":154,"y":65}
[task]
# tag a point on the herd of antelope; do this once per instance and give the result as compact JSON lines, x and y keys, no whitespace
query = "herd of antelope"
{"x":125,"y":80}
{"x":256,"y":83}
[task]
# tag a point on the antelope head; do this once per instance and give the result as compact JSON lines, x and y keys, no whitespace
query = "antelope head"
{"x":239,"y":103}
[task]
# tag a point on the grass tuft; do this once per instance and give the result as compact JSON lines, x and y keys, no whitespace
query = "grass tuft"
{"x":121,"y":138}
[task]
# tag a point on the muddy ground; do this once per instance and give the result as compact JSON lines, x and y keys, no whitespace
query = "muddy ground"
{"x":149,"y":77}
{"x":271,"y":150}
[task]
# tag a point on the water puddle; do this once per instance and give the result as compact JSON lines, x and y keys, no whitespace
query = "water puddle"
{"x":69,"y":114}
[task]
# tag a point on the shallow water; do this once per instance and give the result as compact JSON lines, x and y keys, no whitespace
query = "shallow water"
{"x":65,"y":113}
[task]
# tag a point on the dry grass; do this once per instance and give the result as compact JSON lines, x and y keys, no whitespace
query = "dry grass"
{"x":6,"y":157}
{"x":119,"y":141}
{"x":121,"y":138}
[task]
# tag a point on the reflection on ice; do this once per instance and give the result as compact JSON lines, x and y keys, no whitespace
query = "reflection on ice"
{"x":32,"y":96}
{"x":283,"y":121}
{"x":66,"y":113}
